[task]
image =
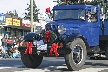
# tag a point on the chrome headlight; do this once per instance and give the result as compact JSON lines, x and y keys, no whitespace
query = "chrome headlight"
{"x":38,"y":29}
{"x":35,"y":42}
{"x":61,"y":29}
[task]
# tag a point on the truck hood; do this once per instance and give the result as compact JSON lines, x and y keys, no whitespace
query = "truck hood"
{"x":69,"y":23}
{"x":71,"y":26}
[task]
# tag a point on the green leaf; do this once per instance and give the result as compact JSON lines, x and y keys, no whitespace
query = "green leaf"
{"x":35,"y":11}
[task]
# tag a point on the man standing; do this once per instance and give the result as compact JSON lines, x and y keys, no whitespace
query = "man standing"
{"x":0,"y":40}
{"x":4,"y":43}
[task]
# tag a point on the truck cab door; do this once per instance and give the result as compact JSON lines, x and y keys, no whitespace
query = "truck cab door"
{"x":93,"y":28}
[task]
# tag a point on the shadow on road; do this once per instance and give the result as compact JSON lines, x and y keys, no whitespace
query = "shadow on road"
{"x":50,"y":65}
{"x":11,"y":63}
{"x":96,"y":64}
{"x":60,"y":65}
{"x":53,"y":65}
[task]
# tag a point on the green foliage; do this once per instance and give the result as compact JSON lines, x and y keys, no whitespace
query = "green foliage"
{"x":35,"y":12}
{"x":10,"y":13}
{"x":14,"y":12}
{"x":101,"y":3}
{"x":74,"y":2}
{"x":53,"y":36}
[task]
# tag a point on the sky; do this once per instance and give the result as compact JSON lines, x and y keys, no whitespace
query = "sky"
{"x":21,"y":5}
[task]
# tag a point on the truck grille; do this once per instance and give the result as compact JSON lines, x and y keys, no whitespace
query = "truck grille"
{"x":53,"y":28}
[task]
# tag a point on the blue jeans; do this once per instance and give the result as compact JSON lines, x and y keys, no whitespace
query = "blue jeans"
{"x":5,"y":48}
{"x":15,"y":55}
{"x":5,"y":55}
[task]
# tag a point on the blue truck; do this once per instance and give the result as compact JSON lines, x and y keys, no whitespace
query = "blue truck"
{"x":77,"y":31}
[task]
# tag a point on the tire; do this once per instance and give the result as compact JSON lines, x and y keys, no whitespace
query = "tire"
{"x":31,"y":61}
{"x":71,"y":65}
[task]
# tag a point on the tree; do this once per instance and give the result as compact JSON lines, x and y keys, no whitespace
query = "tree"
{"x":35,"y":12}
{"x":15,"y":13}
{"x":93,"y":2}
{"x":12,"y":13}
{"x":7,"y":12}
{"x":101,"y":3}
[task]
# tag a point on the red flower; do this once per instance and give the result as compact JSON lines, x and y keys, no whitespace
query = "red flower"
{"x":48,"y":10}
{"x":67,"y":0}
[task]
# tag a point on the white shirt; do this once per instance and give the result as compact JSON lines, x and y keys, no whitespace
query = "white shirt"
{"x":0,"y":41}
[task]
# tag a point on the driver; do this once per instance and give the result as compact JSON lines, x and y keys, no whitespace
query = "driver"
{"x":82,"y":15}
{"x":91,"y":17}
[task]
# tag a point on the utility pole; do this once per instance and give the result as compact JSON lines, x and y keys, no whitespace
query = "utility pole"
{"x":102,"y":14}
{"x":31,"y":17}
{"x":1,"y":29}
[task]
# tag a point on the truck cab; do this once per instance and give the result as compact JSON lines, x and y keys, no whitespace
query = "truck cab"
{"x":75,"y":33}
{"x":78,"y":19}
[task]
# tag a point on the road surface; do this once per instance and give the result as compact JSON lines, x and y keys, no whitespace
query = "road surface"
{"x":52,"y":64}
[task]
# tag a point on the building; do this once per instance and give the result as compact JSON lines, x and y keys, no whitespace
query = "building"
{"x":26,"y":23}
{"x":17,"y":27}
{"x":13,"y":27}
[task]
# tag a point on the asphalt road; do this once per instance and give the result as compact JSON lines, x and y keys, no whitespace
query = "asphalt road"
{"x":52,"y":64}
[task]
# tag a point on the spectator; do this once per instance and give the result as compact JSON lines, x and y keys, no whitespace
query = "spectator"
{"x":16,"y":53}
{"x":1,"y":48}
{"x":11,"y":50}
{"x":9,"y":45}
{"x":4,"y":42}
{"x":0,"y":40}
{"x":4,"y":53}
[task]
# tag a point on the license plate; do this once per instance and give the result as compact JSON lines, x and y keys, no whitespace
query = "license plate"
{"x":41,"y":45}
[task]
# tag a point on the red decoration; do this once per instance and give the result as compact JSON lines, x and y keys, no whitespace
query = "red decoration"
{"x":9,"y":41}
{"x":29,"y":48}
{"x":25,"y":23}
{"x":54,"y":49}
{"x":48,"y":10}
{"x":67,"y":0}
{"x":47,"y":36}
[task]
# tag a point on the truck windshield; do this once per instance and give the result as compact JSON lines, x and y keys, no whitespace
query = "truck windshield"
{"x":74,"y":14}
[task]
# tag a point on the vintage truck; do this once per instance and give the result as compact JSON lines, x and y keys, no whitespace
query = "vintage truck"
{"x":75,"y":33}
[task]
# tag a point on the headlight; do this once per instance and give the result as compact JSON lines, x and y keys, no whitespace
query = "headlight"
{"x":35,"y":42}
{"x":38,"y":29}
{"x":61,"y":29}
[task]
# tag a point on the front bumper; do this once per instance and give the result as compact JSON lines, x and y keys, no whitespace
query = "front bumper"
{"x":22,"y":49}
{"x":35,"y":51}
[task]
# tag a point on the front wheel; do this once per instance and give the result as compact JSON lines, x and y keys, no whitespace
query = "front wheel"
{"x":76,"y":59}
{"x":31,"y":61}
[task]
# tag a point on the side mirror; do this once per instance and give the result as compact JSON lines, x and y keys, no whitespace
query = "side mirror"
{"x":93,"y":10}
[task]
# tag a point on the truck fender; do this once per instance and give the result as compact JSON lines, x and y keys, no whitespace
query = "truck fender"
{"x":31,"y":37}
{"x":72,"y":37}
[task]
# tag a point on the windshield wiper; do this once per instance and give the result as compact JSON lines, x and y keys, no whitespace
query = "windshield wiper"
{"x":65,"y":19}
{"x":70,"y":19}
{"x":81,"y":19}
